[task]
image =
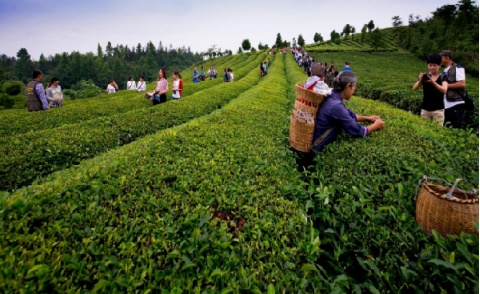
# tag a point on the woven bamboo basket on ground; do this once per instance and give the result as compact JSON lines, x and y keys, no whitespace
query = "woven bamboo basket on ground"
{"x":302,"y":120}
{"x":447,"y":210}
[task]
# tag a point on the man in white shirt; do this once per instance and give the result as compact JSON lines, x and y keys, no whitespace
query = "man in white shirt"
{"x":453,"y":100}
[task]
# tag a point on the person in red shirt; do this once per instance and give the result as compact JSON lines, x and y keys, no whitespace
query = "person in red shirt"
{"x":177,"y":86}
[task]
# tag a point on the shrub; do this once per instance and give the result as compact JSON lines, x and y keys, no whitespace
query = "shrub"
{"x":72,"y":94}
{"x":6,"y":101}
{"x":13,"y":89}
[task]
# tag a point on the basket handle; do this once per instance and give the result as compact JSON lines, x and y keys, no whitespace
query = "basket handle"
{"x":450,"y":193}
{"x":425,"y":179}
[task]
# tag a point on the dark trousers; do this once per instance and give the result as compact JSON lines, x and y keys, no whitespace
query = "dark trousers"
{"x":454,"y":116}
{"x":163,"y":99}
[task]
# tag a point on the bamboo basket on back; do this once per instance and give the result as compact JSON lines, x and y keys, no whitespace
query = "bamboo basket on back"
{"x":302,"y":120}
{"x":447,"y":210}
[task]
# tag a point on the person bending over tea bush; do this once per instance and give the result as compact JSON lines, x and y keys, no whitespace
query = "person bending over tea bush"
{"x":435,"y":86}
{"x":333,"y":116}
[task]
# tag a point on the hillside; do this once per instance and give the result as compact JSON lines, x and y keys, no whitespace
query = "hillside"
{"x":203,"y":195}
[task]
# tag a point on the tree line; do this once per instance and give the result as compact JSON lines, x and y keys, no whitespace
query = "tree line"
{"x":451,"y":27}
{"x":118,"y":63}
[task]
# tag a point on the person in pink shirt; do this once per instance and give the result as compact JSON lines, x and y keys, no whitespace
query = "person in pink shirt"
{"x":160,"y":93}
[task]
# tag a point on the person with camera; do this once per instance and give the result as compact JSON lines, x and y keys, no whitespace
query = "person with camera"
{"x":434,"y":88}
{"x":453,"y":99}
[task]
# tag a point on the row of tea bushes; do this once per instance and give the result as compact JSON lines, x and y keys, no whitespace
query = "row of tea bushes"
{"x":361,"y":201}
{"x":19,"y":122}
{"x":198,"y":207}
{"x":32,"y":155}
{"x":389,"y":77}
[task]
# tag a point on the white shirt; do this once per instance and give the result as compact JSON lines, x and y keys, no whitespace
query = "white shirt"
{"x":111,"y":89}
{"x":131,"y":85}
{"x":141,"y":86}
{"x":175,"y":86}
{"x":231,"y":77}
{"x":459,"y":76}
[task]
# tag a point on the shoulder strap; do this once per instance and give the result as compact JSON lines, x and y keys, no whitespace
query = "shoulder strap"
{"x":322,"y":137}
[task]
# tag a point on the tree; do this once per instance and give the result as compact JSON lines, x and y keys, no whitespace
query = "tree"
{"x":253,"y":49}
{"x":334,"y":36}
{"x":363,"y":34}
{"x":239,"y":50}
{"x":353,"y":32}
{"x":346,"y":30}
{"x":370,"y":26}
{"x":397,"y":21}
{"x":99,"y":51}
{"x":376,"y":38}
{"x":23,"y":65}
{"x":109,"y":49}
{"x":278,"y":41}
{"x":317,"y":38}
{"x":301,"y":41}
{"x":246,"y":45}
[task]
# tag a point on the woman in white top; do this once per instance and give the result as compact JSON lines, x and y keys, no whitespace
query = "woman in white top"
{"x":141,"y":85}
{"x":112,"y":87}
{"x":131,"y":84}
{"x":230,"y":72}
{"x":177,"y":86}
{"x":54,"y":93}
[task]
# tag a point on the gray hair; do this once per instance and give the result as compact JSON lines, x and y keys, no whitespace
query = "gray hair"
{"x":343,"y":79}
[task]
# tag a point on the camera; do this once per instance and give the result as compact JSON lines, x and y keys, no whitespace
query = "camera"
{"x":425,"y":77}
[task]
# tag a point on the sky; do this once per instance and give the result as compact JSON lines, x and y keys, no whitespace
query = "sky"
{"x":51,"y":27}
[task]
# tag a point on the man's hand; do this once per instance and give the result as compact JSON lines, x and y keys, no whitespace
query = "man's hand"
{"x":373,"y":118}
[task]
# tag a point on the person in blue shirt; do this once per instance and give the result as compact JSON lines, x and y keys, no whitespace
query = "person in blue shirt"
{"x":195,"y":75}
{"x":347,"y":66}
{"x":333,"y":117}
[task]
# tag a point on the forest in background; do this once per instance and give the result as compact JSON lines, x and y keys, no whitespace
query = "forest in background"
{"x":451,"y":27}
{"x":118,"y":63}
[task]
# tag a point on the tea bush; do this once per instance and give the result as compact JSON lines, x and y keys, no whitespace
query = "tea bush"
{"x":198,"y":207}
{"x":361,"y":201}
{"x":19,"y":122}
{"x":36,"y":154}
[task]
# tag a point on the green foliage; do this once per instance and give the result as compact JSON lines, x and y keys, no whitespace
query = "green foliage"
{"x":86,"y":89}
{"x":389,"y":77}
{"x":13,"y":89}
{"x":278,"y":41}
{"x":43,"y":152}
{"x":301,"y":41}
{"x":452,"y":27}
{"x":360,"y":198}
{"x":246,"y":46}
{"x":198,"y":207}
{"x":72,"y":94}
{"x":376,"y":38}
{"x":6,"y":101}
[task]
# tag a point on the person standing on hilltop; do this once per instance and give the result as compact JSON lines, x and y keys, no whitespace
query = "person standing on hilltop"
{"x":434,"y":88}
{"x":195,"y":75}
{"x":54,"y":93}
{"x":36,"y":99}
{"x":141,"y":85}
{"x":453,"y":99}
{"x":177,"y":86}
{"x":347,"y":66}
{"x":112,"y":86}
{"x":160,"y":94}
{"x":131,"y":84}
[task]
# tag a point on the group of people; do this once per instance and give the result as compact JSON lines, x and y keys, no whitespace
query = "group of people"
{"x":40,"y":98}
{"x":264,"y":67}
{"x":200,"y":76}
{"x":443,"y":93}
{"x":443,"y":101}
{"x":112,"y":87}
{"x":159,"y":95}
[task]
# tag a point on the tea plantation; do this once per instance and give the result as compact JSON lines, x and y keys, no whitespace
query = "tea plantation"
{"x":202,"y":195}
